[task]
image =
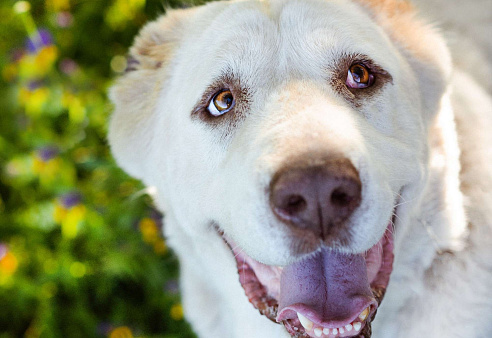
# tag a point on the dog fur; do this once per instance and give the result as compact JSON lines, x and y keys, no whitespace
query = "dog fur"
{"x":421,"y":141}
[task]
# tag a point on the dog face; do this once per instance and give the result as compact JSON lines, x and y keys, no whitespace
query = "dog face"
{"x":293,"y":128}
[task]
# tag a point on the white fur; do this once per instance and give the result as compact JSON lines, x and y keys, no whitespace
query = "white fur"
{"x":405,"y":143}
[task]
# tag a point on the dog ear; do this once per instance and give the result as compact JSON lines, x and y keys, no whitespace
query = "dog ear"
{"x":135,"y":94}
{"x":420,"y":43}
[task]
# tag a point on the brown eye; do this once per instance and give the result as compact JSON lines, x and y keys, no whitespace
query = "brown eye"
{"x":359,"y":76}
{"x":221,"y":103}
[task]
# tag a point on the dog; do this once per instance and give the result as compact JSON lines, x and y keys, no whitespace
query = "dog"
{"x":312,"y":158}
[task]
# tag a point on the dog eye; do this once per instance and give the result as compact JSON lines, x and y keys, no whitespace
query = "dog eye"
{"x":359,"y":77}
{"x":221,"y":103}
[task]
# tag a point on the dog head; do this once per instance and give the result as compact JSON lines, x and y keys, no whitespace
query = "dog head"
{"x":295,"y":128}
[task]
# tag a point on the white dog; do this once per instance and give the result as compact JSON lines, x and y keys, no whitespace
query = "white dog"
{"x":311,"y":157}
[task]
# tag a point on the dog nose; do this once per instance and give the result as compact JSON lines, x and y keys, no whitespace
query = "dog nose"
{"x":316,"y":197}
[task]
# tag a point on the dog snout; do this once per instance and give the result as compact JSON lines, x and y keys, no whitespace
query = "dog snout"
{"x":316,"y":197}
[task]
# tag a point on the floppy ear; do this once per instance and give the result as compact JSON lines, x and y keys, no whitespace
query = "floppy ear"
{"x":134,"y":95}
{"x":420,"y":43}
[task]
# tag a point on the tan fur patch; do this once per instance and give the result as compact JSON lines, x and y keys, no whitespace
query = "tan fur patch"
{"x":419,"y":42}
{"x":154,"y":45}
{"x":390,"y":7}
{"x":398,"y":17}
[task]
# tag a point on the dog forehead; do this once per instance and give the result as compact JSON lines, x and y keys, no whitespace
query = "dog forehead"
{"x":289,"y":37}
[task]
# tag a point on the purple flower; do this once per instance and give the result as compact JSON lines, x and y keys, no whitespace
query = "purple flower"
{"x":47,"y":153}
{"x":64,"y":19}
{"x":37,"y":41}
{"x":17,"y":54}
{"x":172,"y":287}
{"x":3,"y":250}
{"x":70,"y":199}
{"x":157,"y":217}
{"x":32,"y":85}
{"x":104,"y":328}
{"x":155,"y":214}
{"x":68,"y":66}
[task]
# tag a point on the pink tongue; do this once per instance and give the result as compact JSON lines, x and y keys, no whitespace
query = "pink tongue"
{"x":329,"y":288}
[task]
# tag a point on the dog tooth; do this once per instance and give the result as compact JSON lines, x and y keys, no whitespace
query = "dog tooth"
{"x":317,"y":332}
{"x":335,"y":331}
{"x":326,"y":331}
{"x":341,"y":330}
{"x":363,"y":314}
{"x":308,"y":325}
{"x":357,"y":326}
{"x":348,"y":327}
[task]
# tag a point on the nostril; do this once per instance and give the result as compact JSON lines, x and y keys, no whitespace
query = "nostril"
{"x":340,"y":198}
{"x":295,"y":204}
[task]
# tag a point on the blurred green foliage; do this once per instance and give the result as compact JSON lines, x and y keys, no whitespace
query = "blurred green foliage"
{"x":80,"y":247}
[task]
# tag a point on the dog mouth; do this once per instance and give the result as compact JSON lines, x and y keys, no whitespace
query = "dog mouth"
{"x":327,"y":294}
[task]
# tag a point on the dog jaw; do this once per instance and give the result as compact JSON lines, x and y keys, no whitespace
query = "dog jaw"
{"x":272,"y":289}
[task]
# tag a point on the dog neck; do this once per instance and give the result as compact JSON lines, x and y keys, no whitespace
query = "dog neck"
{"x":437,"y":223}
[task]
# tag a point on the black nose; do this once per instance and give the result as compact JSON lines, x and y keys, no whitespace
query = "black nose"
{"x":316,"y":197}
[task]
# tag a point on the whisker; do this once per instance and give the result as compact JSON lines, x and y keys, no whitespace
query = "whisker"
{"x":237,"y":254}
{"x":432,"y":236}
{"x":403,"y":200}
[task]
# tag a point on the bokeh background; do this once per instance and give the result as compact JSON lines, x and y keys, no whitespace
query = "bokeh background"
{"x":81,"y":253}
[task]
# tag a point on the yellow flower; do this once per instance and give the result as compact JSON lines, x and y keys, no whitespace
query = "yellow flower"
{"x":48,"y":168}
{"x":34,"y":100}
{"x":160,"y":247}
{"x":47,"y":171}
{"x":8,"y":264}
{"x":35,"y":66}
{"x":57,"y":5}
{"x":121,"y":332}
{"x":73,"y":217}
{"x":60,"y":213}
{"x":123,"y":11}
{"x":177,"y":312}
{"x":76,"y":111}
{"x":70,"y":213}
{"x":149,"y":229}
{"x":46,"y":57}
{"x":51,"y":170}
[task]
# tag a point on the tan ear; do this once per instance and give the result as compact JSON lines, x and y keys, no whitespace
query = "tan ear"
{"x":135,"y":94}
{"x":154,"y":45}
{"x":420,"y":42}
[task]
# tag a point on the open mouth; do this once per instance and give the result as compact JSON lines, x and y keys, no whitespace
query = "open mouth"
{"x":327,"y":294}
